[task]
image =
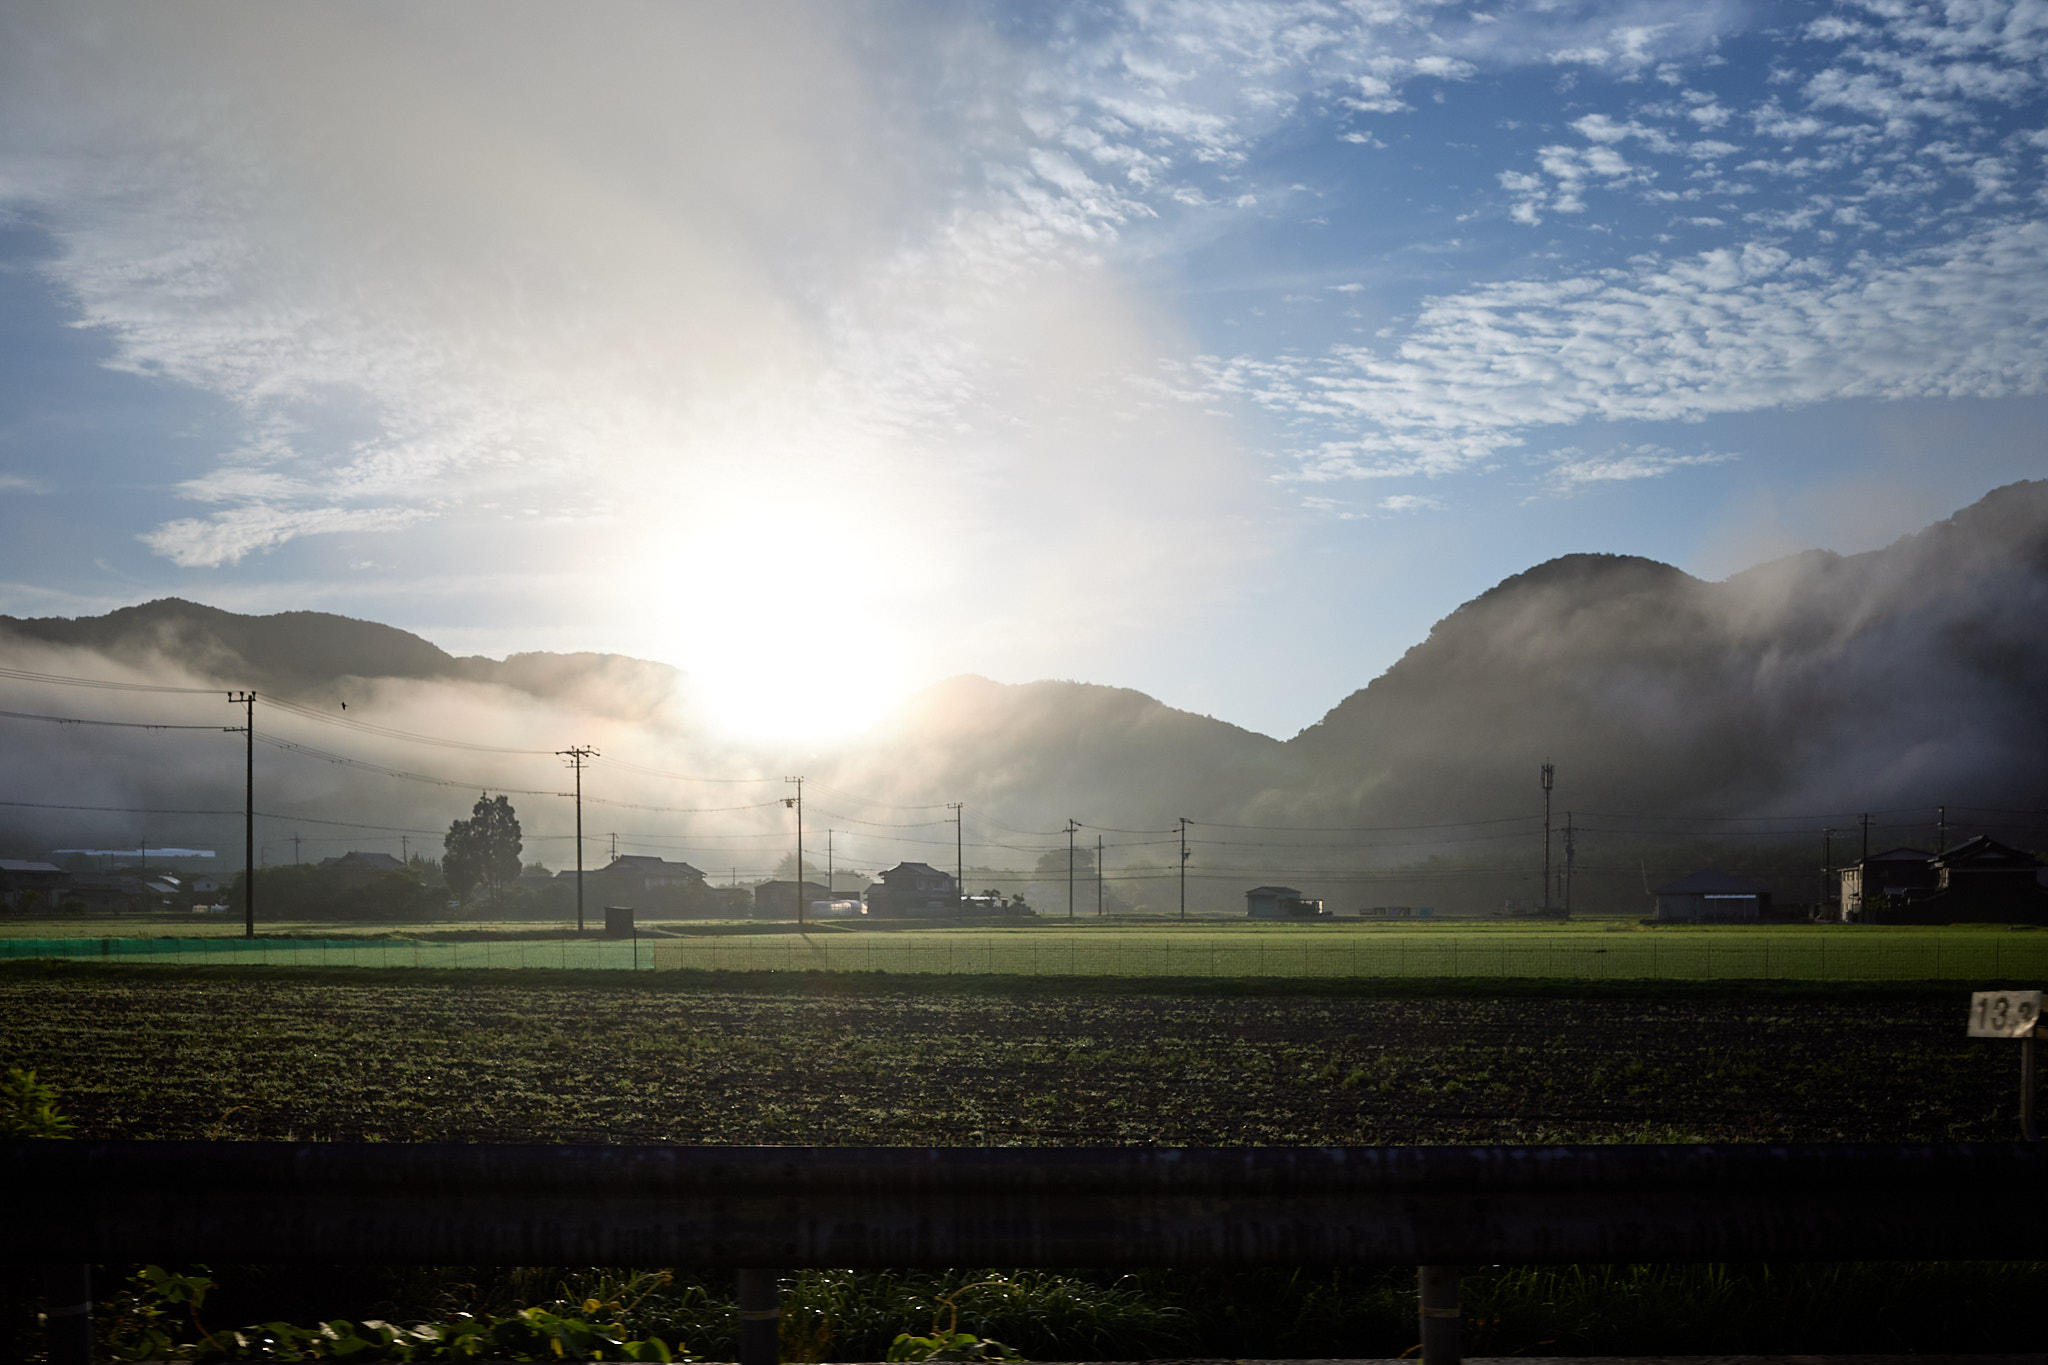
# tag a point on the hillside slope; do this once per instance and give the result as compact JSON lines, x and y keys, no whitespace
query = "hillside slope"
{"x":1910,"y":674}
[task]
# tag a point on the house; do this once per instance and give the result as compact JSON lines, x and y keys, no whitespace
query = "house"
{"x":1886,"y":881}
{"x":778,"y":899}
{"x":649,"y":884}
{"x":1281,"y":902}
{"x":1979,"y":880}
{"x":1986,"y":880}
{"x":1711,"y":896}
{"x":914,"y":889}
{"x":24,"y":884}
{"x":356,"y":863}
{"x":110,"y":894}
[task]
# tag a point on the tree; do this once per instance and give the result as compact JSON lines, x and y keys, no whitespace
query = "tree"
{"x":483,"y":849}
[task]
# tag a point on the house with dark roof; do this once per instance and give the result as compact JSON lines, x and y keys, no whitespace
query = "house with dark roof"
{"x":1711,"y":896}
{"x":32,"y":883}
{"x":357,"y":863}
{"x":651,"y":885}
{"x":1884,"y":880}
{"x":914,"y":889}
{"x":1989,"y":880}
{"x":1978,"y":881}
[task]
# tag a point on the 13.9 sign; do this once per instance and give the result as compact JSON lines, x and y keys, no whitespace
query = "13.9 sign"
{"x":2004,"y":1014}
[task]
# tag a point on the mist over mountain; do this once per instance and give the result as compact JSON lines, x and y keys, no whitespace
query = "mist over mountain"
{"x":1909,"y":675}
{"x":312,"y":655}
{"x":1820,"y":683}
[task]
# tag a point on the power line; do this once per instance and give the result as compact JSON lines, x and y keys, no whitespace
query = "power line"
{"x":305,"y":712}
{"x":118,"y":724}
{"x":118,"y":810}
{"x":27,"y":675}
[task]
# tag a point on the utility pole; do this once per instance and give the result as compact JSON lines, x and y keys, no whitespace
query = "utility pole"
{"x":578,"y":755}
{"x":405,"y":848}
{"x":1864,"y":820}
{"x":1098,"y":876}
{"x":1941,"y":829}
{"x":959,"y":853}
{"x":797,"y":803}
{"x":248,"y":699}
{"x":295,"y":850}
{"x":1569,"y":854}
{"x":830,"y":893}
{"x":1183,"y":867}
{"x":615,"y":846}
{"x":1827,"y":868}
{"x":1548,"y":772}
{"x":1071,"y":827}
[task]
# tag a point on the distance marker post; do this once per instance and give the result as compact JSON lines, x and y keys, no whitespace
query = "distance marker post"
{"x":2013,"y":1014}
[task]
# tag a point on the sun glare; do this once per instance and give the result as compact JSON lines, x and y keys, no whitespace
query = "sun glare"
{"x":788,"y":636}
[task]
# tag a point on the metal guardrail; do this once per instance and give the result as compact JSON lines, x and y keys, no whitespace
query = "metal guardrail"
{"x":788,"y":1208}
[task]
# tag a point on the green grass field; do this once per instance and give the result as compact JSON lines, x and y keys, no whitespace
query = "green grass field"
{"x":1615,"y":950}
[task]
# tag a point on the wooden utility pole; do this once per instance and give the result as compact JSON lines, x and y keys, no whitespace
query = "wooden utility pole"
{"x":578,"y":755}
{"x":959,"y":855}
{"x":1071,"y":827}
{"x":1548,"y":772}
{"x":248,"y":699}
{"x":1098,"y":876}
{"x":797,"y":802}
{"x":1570,"y":853}
{"x":1183,"y":867}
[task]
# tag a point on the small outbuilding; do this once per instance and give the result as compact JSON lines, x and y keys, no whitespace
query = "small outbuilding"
{"x":1281,"y":902}
{"x":1711,"y":896}
{"x":779,"y":899}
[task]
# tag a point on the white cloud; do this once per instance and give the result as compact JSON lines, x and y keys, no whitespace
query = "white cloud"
{"x":1573,"y":470}
{"x":1728,"y":330}
{"x":226,"y":537}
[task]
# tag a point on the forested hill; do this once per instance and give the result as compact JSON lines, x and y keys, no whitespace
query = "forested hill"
{"x":1913,"y":674}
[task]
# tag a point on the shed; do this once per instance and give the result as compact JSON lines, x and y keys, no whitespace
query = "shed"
{"x":1711,"y":896}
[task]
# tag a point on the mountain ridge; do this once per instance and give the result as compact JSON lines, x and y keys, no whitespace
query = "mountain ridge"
{"x":1903,"y":675}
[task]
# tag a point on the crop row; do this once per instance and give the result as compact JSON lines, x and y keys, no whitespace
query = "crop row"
{"x":508,"y":1058}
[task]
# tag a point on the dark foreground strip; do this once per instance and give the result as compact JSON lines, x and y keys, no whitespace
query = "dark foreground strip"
{"x":871,"y":1208}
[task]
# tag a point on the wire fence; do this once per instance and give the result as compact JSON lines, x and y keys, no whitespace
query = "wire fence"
{"x":561,"y":954}
{"x":1867,"y":956}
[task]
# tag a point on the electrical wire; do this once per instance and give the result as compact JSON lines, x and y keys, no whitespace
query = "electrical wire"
{"x":386,"y":732}
{"x":26,"y":675}
{"x":118,"y":724}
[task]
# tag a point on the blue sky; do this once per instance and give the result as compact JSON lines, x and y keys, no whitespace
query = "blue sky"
{"x":1213,"y":349}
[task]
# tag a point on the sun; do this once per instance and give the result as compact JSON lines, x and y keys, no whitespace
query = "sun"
{"x":790,"y":634}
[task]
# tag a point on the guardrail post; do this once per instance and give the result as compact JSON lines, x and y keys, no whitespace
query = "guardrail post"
{"x":2029,"y":1129}
{"x":67,"y":1314}
{"x":1439,"y":1285}
{"x":760,"y":1318}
